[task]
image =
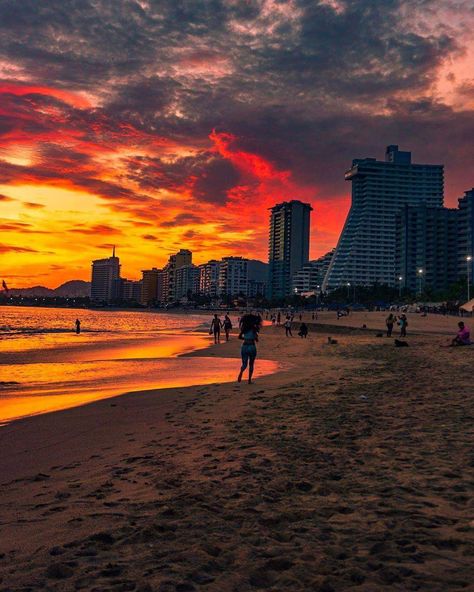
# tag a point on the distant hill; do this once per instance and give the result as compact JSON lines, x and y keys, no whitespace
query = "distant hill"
{"x":70,"y":289}
{"x":73,"y":289}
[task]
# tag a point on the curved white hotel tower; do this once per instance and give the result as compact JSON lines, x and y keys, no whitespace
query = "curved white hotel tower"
{"x":365,"y":253}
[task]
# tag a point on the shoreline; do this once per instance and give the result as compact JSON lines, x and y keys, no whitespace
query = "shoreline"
{"x":349,"y":469}
{"x":146,"y":349}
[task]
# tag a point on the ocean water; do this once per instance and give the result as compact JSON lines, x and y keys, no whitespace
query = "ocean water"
{"x":45,"y":366}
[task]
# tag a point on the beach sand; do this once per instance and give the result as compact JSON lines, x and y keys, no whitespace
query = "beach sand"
{"x":351,"y":468}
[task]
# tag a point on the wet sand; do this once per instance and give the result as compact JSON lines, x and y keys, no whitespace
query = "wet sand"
{"x":351,"y":469}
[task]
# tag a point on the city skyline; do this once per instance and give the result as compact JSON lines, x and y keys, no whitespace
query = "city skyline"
{"x":151,"y":126}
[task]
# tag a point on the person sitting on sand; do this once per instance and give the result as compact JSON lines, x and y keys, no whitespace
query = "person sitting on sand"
{"x":249,"y":335}
{"x":303,"y":332}
{"x":463,"y":337}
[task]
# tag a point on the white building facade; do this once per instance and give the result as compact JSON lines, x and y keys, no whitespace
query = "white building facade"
{"x":365,"y":254}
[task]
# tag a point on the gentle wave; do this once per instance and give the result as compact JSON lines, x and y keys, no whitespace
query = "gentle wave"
{"x":42,"y":330}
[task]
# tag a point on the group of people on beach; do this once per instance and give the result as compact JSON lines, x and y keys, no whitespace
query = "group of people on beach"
{"x":276,"y":318}
{"x":249,"y":327}
{"x":217,"y":325}
{"x":401,"y":321}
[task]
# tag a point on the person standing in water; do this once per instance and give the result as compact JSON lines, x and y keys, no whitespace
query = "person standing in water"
{"x":78,"y":326}
{"x":227,"y":326}
{"x":249,"y":335}
{"x":215,"y":329}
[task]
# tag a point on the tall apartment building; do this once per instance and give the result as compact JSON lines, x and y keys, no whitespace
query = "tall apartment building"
{"x":365,"y":253}
{"x":180,"y":259}
{"x":311,"y":276}
{"x":426,"y":252}
{"x":127,"y":290}
{"x":104,"y":274}
{"x":152,"y":286}
{"x":209,"y":278}
{"x":288,"y":245}
{"x":186,"y":281}
{"x":257,"y":278}
{"x":466,"y":233}
{"x":233,"y":276}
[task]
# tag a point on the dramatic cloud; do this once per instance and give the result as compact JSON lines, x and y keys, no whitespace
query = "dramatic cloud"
{"x":15,"y":249}
{"x":178,"y":124}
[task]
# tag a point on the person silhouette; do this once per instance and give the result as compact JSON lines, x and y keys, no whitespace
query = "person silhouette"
{"x":78,"y":326}
{"x":215,"y":329}
{"x":249,"y":334}
{"x":227,"y":326}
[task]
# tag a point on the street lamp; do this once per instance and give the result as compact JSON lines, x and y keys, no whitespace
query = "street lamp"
{"x":400,"y":280}
{"x":420,"y":275}
{"x":468,"y":262}
{"x":318,"y":294}
{"x":348,"y":288}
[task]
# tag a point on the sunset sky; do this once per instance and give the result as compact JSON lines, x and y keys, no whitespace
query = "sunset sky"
{"x":158,"y":125}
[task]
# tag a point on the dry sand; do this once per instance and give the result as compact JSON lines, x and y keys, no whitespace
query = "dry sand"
{"x":351,"y":469}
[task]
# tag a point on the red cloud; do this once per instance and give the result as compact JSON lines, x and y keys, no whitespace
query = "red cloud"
{"x":68,"y":97}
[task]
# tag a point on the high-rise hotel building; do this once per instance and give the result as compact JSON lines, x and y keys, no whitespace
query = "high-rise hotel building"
{"x":365,"y":253}
{"x":105,"y":272}
{"x":288,"y":245}
{"x":466,"y":234}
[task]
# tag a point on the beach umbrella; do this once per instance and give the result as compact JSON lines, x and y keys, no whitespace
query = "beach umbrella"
{"x":468,"y":306}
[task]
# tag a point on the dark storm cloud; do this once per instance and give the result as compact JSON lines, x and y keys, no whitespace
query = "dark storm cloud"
{"x":208,"y":175}
{"x":303,"y":84}
{"x":211,"y":175}
{"x":182,"y":220}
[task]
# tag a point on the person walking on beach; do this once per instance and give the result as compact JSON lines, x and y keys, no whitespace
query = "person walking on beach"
{"x":288,"y":332}
{"x":279,"y":318}
{"x":389,"y":321}
{"x":403,"y":322}
{"x":78,"y":326}
{"x":215,"y":329}
{"x":227,"y":326}
{"x":248,"y":351}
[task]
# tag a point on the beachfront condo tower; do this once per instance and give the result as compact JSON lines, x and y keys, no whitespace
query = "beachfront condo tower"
{"x":466,"y":234}
{"x":105,"y":272}
{"x":288,"y":245}
{"x":365,"y":253}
